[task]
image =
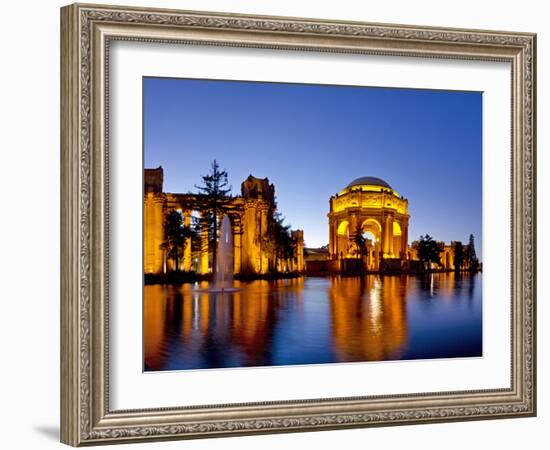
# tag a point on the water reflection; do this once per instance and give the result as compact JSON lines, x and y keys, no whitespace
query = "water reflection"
{"x":368,"y":317}
{"x":312,"y":320}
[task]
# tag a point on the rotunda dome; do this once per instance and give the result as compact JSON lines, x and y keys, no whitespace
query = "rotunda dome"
{"x":372,"y":181}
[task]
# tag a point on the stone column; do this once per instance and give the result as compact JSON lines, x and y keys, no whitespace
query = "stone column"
{"x":384,"y":235}
{"x":264,"y":257}
{"x":389,"y":236}
{"x":236,"y":229}
{"x":249,"y":248}
{"x":299,"y":251}
{"x":352,"y":225}
{"x":334,"y":232}
{"x":187,"y":251}
{"x":301,"y":262}
{"x":352,"y":228}
{"x":377,"y":251}
{"x":404,"y":238}
{"x":204,"y":247}
{"x":153,"y":220}
{"x":337,"y":241}
{"x":331,"y":237}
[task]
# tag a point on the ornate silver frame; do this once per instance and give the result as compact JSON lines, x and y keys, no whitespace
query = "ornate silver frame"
{"x":86,"y":31}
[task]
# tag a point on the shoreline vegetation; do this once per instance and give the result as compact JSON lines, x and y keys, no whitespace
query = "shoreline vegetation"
{"x":281,"y":251}
{"x":192,"y":277}
{"x":175,"y":278}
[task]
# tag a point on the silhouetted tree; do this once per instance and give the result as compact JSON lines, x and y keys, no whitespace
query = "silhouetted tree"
{"x":458,"y":255}
{"x":279,"y":239}
{"x":429,"y":250}
{"x":175,"y":233}
{"x":473,"y":262}
{"x":216,"y":192}
{"x":360,"y":242}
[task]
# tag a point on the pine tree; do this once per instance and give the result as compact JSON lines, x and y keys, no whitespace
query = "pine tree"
{"x":458,"y":255}
{"x":216,"y":192}
{"x":473,"y":262}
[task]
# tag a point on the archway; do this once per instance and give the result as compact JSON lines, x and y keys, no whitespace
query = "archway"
{"x":342,"y":238}
{"x":397,"y":239}
{"x":373,"y":226}
{"x":370,"y":206}
{"x":372,"y":232}
{"x":343,"y":228}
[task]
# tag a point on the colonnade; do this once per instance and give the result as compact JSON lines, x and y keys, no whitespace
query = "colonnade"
{"x":386,"y":236}
{"x":250,"y":215}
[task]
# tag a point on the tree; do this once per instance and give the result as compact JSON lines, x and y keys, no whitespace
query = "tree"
{"x":360,"y":242}
{"x":175,"y":233}
{"x":458,"y":255}
{"x":280,"y":240}
{"x":216,"y":192}
{"x":429,"y":250}
{"x":472,"y":261}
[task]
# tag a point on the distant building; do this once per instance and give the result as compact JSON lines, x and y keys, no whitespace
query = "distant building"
{"x":316,"y":254}
{"x":369,"y":230}
{"x":250,"y":214}
{"x":371,"y":207}
{"x":316,"y":260}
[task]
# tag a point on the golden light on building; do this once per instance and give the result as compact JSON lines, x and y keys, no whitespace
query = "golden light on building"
{"x":371,"y":207}
{"x":250,"y":215}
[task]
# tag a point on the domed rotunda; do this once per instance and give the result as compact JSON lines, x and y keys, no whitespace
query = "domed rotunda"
{"x":368,"y":207}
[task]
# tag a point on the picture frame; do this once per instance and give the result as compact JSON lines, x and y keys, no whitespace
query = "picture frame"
{"x":87,"y":31}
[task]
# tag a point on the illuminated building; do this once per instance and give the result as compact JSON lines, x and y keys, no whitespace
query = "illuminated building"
{"x":251,"y":215}
{"x":369,"y":229}
{"x":370,"y":207}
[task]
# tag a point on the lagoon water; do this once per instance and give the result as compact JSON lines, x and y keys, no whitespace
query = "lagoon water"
{"x":313,"y":321}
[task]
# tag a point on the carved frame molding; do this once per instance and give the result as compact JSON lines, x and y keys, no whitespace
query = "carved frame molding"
{"x":86,"y":31}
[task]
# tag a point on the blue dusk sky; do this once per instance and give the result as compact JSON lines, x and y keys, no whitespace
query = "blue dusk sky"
{"x":312,"y":140}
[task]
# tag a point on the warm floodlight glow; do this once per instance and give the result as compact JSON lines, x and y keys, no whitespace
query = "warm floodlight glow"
{"x":370,"y":205}
{"x":343,"y":228}
{"x":396,"y":229}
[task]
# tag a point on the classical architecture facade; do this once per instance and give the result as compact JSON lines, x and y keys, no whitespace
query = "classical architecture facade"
{"x":250,"y":214}
{"x":372,"y":208}
{"x":369,"y":229}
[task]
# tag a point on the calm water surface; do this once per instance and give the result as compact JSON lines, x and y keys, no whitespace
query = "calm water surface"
{"x":313,"y":320}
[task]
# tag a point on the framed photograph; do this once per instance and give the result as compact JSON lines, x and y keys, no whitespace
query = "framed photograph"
{"x":275,"y":224}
